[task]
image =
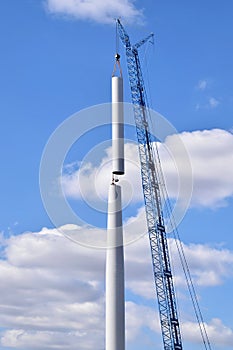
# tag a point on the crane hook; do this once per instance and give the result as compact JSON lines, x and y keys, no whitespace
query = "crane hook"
{"x":117,"y":64}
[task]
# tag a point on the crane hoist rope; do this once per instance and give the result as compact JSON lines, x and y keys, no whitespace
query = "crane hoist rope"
{"x":151,"y":174}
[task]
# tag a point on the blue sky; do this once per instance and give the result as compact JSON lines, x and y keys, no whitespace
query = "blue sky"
{"x":56,"y":60}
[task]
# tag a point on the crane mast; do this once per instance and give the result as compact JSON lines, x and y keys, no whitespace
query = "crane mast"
{"x":154,"y":215}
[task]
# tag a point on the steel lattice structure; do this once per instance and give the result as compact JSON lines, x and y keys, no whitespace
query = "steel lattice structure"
{"x":155,"y":221}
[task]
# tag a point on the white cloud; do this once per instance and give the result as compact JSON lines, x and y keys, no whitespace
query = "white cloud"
{"x":210,"y":152}
{"x":90,"y":182}
{"x":52,"y":290}
{"x":135,"y":324}
{"x":202,"y":84}
{"x":209,"y":266}
{"x":213,"y":102}
{"x":51,"y":293}
{"x":218,"y":333}
{"x":209,"y":102}
{"x":40,"y":340}
{"x":101,"y":11}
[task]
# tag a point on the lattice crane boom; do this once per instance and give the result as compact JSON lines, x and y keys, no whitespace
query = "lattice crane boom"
{"x":155,"y":222}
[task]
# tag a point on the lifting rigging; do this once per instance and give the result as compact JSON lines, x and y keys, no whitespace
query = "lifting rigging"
{"x":163,"y":278}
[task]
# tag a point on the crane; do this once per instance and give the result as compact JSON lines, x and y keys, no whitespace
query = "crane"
{"x":151,"y":174}
{"x":152,"y":197}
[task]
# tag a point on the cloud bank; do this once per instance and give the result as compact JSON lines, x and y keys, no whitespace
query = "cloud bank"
{"x":100,"y":11}
{"x":52,"y":292}
{"x":210,"y":154}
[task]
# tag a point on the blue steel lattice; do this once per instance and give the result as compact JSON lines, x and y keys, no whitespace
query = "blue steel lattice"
{"x":155,"y":222}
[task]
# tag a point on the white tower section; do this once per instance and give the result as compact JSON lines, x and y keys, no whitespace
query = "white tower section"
{"x":115,"y":300}
{"x":117,"y":126}
{"x":115,"y":290}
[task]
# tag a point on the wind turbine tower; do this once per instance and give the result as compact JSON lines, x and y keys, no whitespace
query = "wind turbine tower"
{"x":115,"y":299}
